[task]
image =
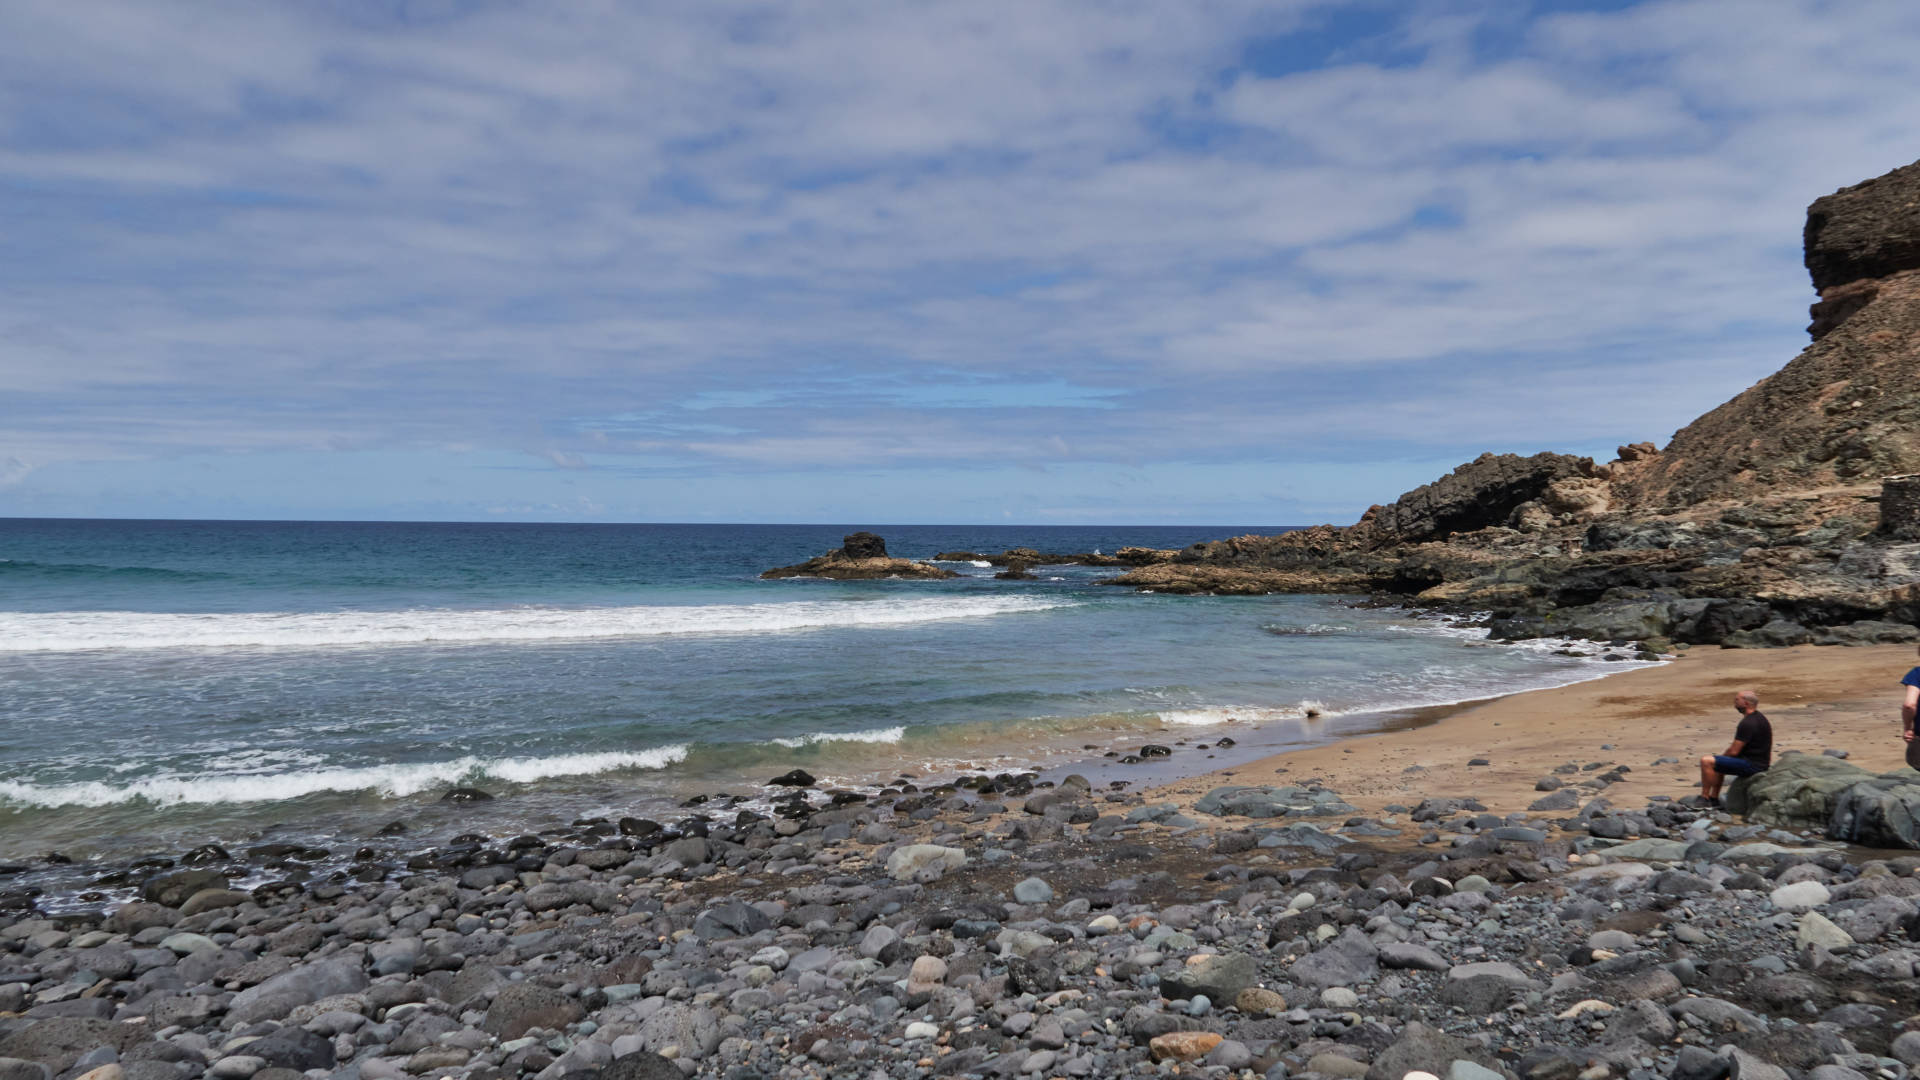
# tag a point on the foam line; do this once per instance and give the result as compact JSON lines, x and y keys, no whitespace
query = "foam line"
{"x":74,"y":631}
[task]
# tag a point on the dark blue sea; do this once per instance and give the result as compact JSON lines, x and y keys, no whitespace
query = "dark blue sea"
{"x":165,"y":683}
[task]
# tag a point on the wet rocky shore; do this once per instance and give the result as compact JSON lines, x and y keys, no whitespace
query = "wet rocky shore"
{"x":1003,"y":929}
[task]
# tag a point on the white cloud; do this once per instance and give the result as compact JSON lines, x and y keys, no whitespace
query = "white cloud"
{"x":277,"y":229}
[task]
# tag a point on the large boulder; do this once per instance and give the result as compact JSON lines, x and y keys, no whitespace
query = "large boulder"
{"x":1882,"y":812}
{"x":1269,"y":802}
{"x":1220,"y":976}
{"x":1797,"y":792}
{"x":289,"y":990}
{"x":520,"y":1006}
{"x":57,"y":1042}
{"x":174,"y":889}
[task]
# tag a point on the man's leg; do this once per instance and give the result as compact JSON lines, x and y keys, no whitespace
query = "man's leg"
{"x":1709,"y":779}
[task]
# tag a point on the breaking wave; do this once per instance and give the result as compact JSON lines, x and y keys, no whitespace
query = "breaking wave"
{"x":74,"y":631}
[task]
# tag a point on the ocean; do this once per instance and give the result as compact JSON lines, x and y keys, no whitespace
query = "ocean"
{"x":169,"y":683}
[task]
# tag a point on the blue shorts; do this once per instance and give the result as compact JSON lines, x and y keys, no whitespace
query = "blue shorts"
{"x":1735,"y":766}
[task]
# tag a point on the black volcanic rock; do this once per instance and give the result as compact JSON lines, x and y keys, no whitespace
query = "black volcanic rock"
{"x":863,"y":545}
{"x":1485,"y":491}
{"x":862,"y":556}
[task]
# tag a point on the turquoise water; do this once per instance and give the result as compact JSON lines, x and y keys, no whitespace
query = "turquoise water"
{"x":170,"y":682}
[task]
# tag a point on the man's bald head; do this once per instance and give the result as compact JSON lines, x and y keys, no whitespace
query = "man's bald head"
{"x":1745,"y":700}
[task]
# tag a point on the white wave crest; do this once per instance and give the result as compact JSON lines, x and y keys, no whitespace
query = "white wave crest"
{"x":878,"y":735}
{"x":392,"y":781}
{"x":981,"y":563}
{"x":74,"y":631}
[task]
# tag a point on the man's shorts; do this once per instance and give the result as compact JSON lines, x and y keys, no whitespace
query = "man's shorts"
{"x":1735,"y":766}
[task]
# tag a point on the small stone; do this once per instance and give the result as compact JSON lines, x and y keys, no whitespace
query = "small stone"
{"x":1258,"y":1000}
{"x":1800,"y":896}
{"x":927,"y":973}
{"x":236,"y":1067}
{"x":1183,"y":1045}
{"x":1817,"y":929}
{"x":1336,"y":1065}
{"x":920,"y":1029}
{"x":1339,"y":997}
{"x":1033,"y":891}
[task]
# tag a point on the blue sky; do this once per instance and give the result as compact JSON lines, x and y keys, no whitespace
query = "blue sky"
{"x":1101,"y":262}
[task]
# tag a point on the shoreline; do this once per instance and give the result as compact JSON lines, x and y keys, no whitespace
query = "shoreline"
{"x":1104,"y":750}
{"x":1818,"y":698}
{"x":1645,"y":714}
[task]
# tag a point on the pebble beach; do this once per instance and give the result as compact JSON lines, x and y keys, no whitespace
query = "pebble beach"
{"x":1225,"y":926}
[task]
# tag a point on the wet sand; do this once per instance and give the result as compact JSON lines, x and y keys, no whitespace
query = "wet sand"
{"x":1817,"y":698}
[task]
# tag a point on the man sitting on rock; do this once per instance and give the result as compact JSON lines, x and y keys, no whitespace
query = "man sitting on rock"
{"x":1751,"y":751}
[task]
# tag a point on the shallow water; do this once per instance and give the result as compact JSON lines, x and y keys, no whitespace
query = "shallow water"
{"x":167,"y":683}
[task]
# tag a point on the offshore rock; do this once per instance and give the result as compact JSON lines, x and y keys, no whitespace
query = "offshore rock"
{"x":861,"y":556}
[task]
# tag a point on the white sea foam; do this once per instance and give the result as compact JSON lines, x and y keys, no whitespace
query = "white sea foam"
{"x":981,"y":563}
{"x":878,"y":735}
{"x":1254,"y":715}
{"x":72,"y":631}
{"x":393,"y":781}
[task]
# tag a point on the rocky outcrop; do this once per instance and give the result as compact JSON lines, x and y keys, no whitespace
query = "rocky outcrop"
{"x":1845,"y":411}
{"x":1485,"y":491}
{"x":1764,"y":522}
{"x":1869,"y":230}
{"x":861,"y":556}
{"x":1900,"y":507}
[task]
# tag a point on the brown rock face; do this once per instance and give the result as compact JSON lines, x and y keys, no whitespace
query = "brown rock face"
{"x":1845,"y":411}
{"x":1869,"y":230}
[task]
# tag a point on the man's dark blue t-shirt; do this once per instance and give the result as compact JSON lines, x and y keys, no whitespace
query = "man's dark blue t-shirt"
{"x":1755,"y":736}
{"x":1912,"y":679}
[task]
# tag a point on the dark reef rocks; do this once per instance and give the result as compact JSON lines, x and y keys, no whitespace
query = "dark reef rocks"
{"x":862,"y":556}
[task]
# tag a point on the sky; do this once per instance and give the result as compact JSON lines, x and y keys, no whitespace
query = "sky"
{"x":1098,"y":262}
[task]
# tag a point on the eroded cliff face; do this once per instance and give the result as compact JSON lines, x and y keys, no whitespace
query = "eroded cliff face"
{"x":1758,"y":524}
{"x":1845,"y":412}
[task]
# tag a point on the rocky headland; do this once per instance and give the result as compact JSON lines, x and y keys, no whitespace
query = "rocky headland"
{"x":1787,"y":515}
{"x":861,"y":556}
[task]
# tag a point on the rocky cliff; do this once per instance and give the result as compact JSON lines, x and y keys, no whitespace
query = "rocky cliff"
{"x":1760,"y":523}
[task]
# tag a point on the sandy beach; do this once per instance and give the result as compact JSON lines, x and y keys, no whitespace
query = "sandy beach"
{"x":1817,"y":698}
